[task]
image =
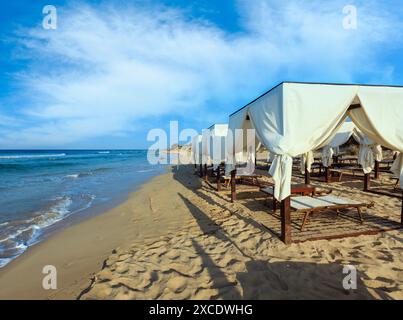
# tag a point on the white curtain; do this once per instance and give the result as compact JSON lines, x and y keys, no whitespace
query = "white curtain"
{"x":307,"y":160}
{"x":369,"y":150}
{"x":250,"y":164}
{"x":381,"y":117}
{"x":378,"y":153}
{"x":234,"y":145}
{"x":327,"y":156}
{"x":294,"y":119}
{"x":397,"y":167}
{"x":242,"y":143}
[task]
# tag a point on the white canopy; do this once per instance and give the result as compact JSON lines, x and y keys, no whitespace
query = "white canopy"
{"x":369,"y":150}
{"x":218,"y":134}
{"x":295,"y":118}
{"x":196,"y":150}
{"x":343,"y":135}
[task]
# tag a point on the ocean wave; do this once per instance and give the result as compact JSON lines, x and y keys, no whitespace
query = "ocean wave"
{"x":146,"y":170}
{"x":4,"y":261}
{"x":104,"y":152}
{"x":54,"y":213}
{"x":17,"y":236}
{"x":34,"y":156}
{"x":72,"y":176}
{"x":86,"y":174}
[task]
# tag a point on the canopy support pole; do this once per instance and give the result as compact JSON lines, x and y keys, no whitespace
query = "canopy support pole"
{"x":218,"y":178}
{"x":205,"y":173}
{"x":367,"y":181}
{"x":401,"y":216}
{"x":336,"y":159}
{"x":286,"y":221}
{"x":233,"y":186}
{"x":201,"y":170}
{"x":327,"y":174}
{"x":376,"y":169}
{"x":307,"y":174}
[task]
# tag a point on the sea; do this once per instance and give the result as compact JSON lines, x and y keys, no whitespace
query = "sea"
{"x":43,"y":191}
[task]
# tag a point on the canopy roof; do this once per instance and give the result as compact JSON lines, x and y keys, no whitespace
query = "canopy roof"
{"x":294,"y":118}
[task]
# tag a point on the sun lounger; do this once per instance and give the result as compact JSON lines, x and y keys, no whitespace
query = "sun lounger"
{"x":310,"y":205}
{"x":318,"y":166}
{"x":240,"y":176}
{"x":387,"y":164}
{"x":296,"y":189}
{"x":345,"y":170}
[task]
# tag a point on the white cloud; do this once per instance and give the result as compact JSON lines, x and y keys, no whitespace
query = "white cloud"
{"x":109,"y":68}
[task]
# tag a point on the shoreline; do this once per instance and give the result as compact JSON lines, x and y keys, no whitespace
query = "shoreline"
{"x":94,"y":209}
{"x":78,"y":250}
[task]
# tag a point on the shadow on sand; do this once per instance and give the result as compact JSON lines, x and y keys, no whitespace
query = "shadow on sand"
{"x":269,"y":280}
{"x":286,"y":280}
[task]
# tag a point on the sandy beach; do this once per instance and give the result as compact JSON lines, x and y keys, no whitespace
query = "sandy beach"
{"x":177,"y":238}
{"x":201,"y":150}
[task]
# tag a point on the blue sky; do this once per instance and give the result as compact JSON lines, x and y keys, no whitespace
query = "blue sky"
{"x":113,"y":70}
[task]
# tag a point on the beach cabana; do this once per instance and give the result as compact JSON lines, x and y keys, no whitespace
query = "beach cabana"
{"x":370,"y":153}
{"x":213,"y":146}
{"x":295,"y":118}
{"x":217,"y":150}
{"x":196,"y":151}
{"x":341,"y":137}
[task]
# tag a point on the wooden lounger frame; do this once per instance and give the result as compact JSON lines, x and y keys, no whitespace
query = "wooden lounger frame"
{"x":347,"y":170}
{"x":235,"y":177}
{"x":336,"y":207}
{"x":253,"y":177}
{"x":304,"y":193}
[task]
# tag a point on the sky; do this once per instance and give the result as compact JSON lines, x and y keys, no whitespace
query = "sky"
{"x":113,"y":70}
